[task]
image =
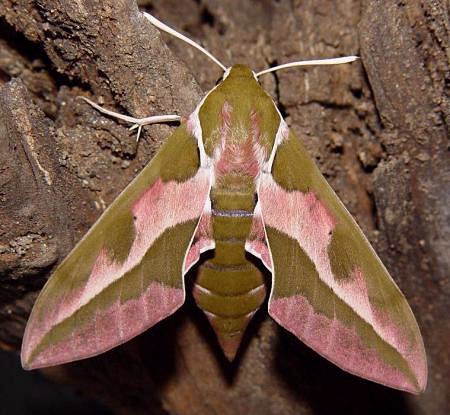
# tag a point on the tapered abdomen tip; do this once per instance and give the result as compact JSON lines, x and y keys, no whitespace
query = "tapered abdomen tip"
{"x":230,"y":344}
{"x":229,"y":294}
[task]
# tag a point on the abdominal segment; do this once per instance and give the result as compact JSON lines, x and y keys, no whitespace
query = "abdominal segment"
{"x":229,"y":288}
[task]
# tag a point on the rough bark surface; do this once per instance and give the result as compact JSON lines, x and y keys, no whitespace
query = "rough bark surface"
{"x":378,"y":129}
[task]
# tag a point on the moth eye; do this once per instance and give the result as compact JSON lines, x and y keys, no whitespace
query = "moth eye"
{"x":135,"y":218}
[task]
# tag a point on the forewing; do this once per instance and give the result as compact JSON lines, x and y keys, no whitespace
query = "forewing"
{"x":126,"y":274}
{"x":329,"y":287}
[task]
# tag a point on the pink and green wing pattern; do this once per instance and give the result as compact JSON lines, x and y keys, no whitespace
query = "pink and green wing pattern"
{"x":127,"y":273}
{"x":329,"y":287}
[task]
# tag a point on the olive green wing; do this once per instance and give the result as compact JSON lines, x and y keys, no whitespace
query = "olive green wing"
{"x":126,"y":274}
{"x":330,"y":289}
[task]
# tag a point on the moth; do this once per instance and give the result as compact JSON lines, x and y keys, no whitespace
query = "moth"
{"x":234,"y":180}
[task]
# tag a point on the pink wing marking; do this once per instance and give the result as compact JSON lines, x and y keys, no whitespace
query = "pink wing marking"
{"x":102,"y":333}
{"x":237,"y":156}
{"x":256,"y":243}
{"x":339,"y":343}
{"x":162,"y":206}
{"x":305,"y":219}
{"x":202,"y":242}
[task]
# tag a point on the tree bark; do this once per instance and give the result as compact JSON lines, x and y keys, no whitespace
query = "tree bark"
{"x":378,"y":130}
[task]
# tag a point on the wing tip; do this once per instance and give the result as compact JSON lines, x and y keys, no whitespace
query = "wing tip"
{"x":421,"y":375}
{"x":24,"y":355}
{"x":414,"y":381}
{"x":25,"y":364}
{"x":28,"y":362}
{"x":416,"y":388}
{"x":33,"y":364}
{"x":34,"y":355}
{"x":28,"y":366}
{"x":419,"y":366}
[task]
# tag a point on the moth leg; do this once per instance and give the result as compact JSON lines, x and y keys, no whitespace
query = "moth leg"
{"x":137,"y":122}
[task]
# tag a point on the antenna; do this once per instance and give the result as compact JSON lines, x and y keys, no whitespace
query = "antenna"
{"x":333,"y":61}
{"x":162,"y":26}
{"x":137,"y":122}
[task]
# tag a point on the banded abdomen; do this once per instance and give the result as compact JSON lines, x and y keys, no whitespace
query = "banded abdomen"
{"x":229,"y":288}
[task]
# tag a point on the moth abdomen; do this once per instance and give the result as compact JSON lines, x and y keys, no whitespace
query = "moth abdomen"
{"x":229,"y":288}
{"x":229,"y":295}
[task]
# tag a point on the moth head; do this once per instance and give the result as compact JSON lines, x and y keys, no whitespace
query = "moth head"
{"x":238,"y":71}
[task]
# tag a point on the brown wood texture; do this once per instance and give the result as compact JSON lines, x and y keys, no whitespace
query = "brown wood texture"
{"x":377,"y":128}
